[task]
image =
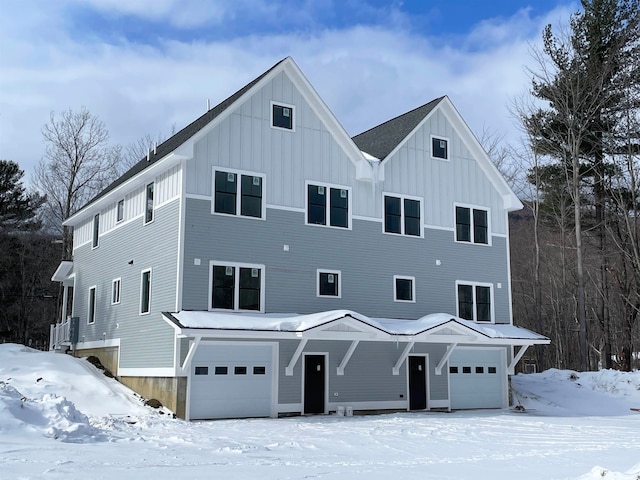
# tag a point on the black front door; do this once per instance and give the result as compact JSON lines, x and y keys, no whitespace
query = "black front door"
{"x":314,"y":384}
{"x":417,"y":383}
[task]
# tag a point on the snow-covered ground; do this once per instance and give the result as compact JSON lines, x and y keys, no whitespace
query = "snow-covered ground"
{"x":60,"y":418}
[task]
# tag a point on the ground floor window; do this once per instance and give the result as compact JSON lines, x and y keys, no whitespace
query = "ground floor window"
{"x":237,"y":286}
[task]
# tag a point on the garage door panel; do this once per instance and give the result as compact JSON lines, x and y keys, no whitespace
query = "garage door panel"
{"x":476,"y":379}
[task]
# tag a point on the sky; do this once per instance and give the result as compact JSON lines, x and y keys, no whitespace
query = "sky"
{"x":148,"y":67}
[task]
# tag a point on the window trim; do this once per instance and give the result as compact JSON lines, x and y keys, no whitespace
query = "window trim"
{"x":328,"y":186}
{"x":95,"y":236}
{"x":142,"y":272}
{"x":329,"y":271}
{"x":239,"y":174}
{"x":402,"y":198}
{"x":471,"y":208}
{"x":119,"y":211}
{"x":413,"y":288}
{"x":475,"y":305}
{"x":115,"y":299}
{"x":439,"y":137}
{"x":149,"y":213}
{"x":293,"y":116}
{"x":236,"y":291}
{"x":91,"y":308}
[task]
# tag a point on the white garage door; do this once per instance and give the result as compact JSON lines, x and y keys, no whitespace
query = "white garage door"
{"x":231,"y":381}
{"x":477,"y":378}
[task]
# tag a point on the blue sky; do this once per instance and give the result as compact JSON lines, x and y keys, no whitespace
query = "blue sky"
{"x":148,"y":66}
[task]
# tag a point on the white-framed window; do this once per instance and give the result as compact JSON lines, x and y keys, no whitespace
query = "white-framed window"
{"x":145,"y":291}
{"x":472,"y":224}
{"x":120,"y":211}
{"x":96,"y":231}
{"x":402,"y":215}
{"x":404,"y":289}
{"x":475,"y":301}
{"x":91,"y":307}
{"x":116,"y":290}
{"x":328,"y":205}
{"x":283,"y":116}
{"x":329,"y":283}
{"x":239,"y":193}
{"x":148,"y":206}
{"x":236,"y":286}
{"x":439,"y":147}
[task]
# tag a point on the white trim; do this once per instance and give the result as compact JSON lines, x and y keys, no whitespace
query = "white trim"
{"x":413,"y":288}
{"x":288,"y":209}
{"x":239,"y":174}
{"x":111,"y":342}
{"x":367,"y":219}
{"x":198,"y":196}
{"x":95,"y":231}
{"x":236,"y":291}
{"x":471,"y":208}
{"x":145,"y":206}
{"x":402,"y":197}
{"x":181,"y":233}
{"x":119,"y":291}
{"x":508,"y":248}
{"x":440,"y":137}
{"x":347,"y":357}
{"x":440,"y":404}
{"x":119,"y":220}
{"x":293,"y":116}
{"x":327,"y":205}
{"x":330,"y":272}
{"x":326,"y":379}
{"x":382,"y":405}
{"x":473,"y":290}
{"x":405,"y":353}
{"x":288,"y":371}
{"x":516,"y":358}
{"x":445,"y":358}
{"x":95,"y":304}
{"x":147,"y":372}
{"x":142,"y":272}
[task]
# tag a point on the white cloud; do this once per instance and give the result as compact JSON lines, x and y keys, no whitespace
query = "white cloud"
{"x":365,"y":74}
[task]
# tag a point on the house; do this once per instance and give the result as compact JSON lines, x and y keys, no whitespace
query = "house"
{"x":261,"y":262}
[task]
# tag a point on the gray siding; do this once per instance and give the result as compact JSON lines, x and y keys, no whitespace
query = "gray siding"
{"x":367,"y":258}
{"x":146,"y":340}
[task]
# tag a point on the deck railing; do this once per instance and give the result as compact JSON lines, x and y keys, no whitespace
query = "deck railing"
{"x":60,"y":335}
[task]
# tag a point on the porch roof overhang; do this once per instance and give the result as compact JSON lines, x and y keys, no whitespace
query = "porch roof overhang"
{"x":64,"y":273}
{"x":349,"y":326}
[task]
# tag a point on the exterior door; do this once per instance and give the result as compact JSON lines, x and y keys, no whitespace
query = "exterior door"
{"x":314,"y":383}
{"x":417,"y":383}
{"x":477,"y":378}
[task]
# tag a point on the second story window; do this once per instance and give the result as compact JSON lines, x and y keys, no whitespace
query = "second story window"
{"x":402,"y":215}
{"x":472,"y":225}
{"x":238,"y":194}
{"x":474,"y":302}
{"x":148,"y":210}
{"x":237,"y":287}
{"x":120,"y":211}
{"x":96,"y":230}
{"x":327,"y":206}
{"x":145,"y":292}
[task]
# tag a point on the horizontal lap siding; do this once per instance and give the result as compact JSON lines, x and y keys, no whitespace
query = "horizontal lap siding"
{"x":367,"y":278}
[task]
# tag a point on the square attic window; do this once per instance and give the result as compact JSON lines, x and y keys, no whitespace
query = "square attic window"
{"x":282,"y":116}
{"x":439,"y":148}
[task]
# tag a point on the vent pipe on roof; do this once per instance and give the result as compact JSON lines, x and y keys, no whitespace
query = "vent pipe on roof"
{"x":208,"y":104}
{"x":148,"y":155}
{"x":155,"y":148}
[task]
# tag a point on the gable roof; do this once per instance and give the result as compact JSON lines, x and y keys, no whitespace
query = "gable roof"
{"x":380,"y":141}
{"x":181,"y":137}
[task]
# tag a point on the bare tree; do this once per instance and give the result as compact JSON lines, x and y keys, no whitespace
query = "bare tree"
{"x":136,"y":151}
{"x":78,"y":163}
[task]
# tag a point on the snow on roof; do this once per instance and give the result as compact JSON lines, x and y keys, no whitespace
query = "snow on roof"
{"x":291,"y":322}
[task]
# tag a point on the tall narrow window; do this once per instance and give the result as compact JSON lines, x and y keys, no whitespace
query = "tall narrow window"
{"x":115,"y":291}
{"x":148,"y":212}
{"x":317,"y":205}
{"x":237,"y":287}
{"x":402,"y":215}
{"x":328,"y":206}
{"x":120,"y":211}
{"x":472,"y":225}
{"x":96,"y":230}
{"x":226,"y":190}
{"x":91,"y":311}
{"x":251,"y":199}
{"x":145,"y":292}
{"x":224,"y":283}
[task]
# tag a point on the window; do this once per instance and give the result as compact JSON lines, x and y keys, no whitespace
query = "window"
{"x":492,"y":370}
{"x":120,"y":211}
{"x":91,"y":311}
{"x":239,"y":370}
{"x":474,"y":302}
{"x":479,"y":369}
{"x":96,"y":230}
{"x":145,"y":292}
{"x":202,"y":370}
{"x":472,"y":225}
{"x":327,"y":206}
{"x":259,"y":370}
{"x":404,"y":289}
{"x":115,"y":291}
{"x":235,"y":193}
{"x":453,"y":369}
{"x":282,"y":116}
{"x":221,"y":370}
{"x":402,"y":215}
{"x":237,"y":287}
{"x":466,"y":369}
{"x":148,"y":212}
{"x":329,"y":283}
{"x":440,"y":148}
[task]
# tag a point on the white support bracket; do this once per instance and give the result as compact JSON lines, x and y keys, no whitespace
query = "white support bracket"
{"x":445,"y":358}
{"x":184,"y":369}
{"x":403,"y":357}
{"x":289,"y":370}
{"x":347,"y":357}
{"x":511,"y":369}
